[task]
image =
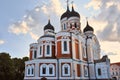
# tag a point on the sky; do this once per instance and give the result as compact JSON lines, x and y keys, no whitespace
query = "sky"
{"x":22,"y":23}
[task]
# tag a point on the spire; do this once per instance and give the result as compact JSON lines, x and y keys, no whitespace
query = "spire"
{"x":48,"y":19}
{"x":67,"y":5}
{"x":72,"y":5}
{"x":87,"y":20}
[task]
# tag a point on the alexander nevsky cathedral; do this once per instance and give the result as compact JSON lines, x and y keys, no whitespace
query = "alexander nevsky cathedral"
{"x":70,"y":54}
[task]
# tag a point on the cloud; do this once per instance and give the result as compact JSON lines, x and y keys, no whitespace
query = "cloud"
{"x":111,"y":53}
{"x":94,"y":3}
{"x":110,"y":15}
{"x":34,"y":20}
{"x":2,"y":42}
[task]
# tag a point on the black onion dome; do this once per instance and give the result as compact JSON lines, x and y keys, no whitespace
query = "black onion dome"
{"x":66,"y":14}
{"x":73,"y":13}
{"x":49,"y":26}
{"x":88,"y":28}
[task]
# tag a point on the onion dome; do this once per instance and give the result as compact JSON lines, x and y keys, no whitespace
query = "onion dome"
{"x":49,"y":26}
{"x":66,"y":14}
{"x":88,"y":28}
{"x":73,"y":13}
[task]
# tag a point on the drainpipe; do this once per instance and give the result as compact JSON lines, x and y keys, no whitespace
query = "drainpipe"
{"x":87,"y":58}
{"x":58,"y":67}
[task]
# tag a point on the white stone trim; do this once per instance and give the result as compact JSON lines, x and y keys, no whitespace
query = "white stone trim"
{"x":30,"y":67}
{"x":38,"y":51}
{"x":68,"y":48}
{"x":33,"y":53}
{"x":62,"y":33}
{"x":53,"y":68}
{"x":63,"y":70}
{"x":46,"y":39}
{"x":50,"y":52}
{"x":47,"y":70}
{"x":41,"y":69}
{"x":86,"y":70}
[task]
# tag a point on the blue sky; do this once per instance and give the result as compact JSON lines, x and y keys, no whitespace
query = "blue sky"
{"x":22,"y":22}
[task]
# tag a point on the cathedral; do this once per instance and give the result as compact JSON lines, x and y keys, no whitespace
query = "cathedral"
{"x":71,"y":53}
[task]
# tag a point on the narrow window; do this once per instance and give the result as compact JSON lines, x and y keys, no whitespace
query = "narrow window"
{"x":113,"y":73}
{"x":35,"y":54}
{"x":32,"y":70}
{"x":75,"y":25}
{"x":99,"y":71}
{"x":44,"y":70}
{"x":40,"y":50}
{"x":50,"y":70}
{"x":86,"y":71}
{"x":48,"y":49}
{"x":28,"y":71}
{"x":64,"y":27}
{"x":66,"y":70}
{"x":70,"y":25}
{"x":65,"y":45}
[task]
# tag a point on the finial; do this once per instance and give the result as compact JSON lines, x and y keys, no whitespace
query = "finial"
{"x":72,"y":5}
{"x":48,"y":19}
{"x":87,"y":20}
{"x":67,"y":4}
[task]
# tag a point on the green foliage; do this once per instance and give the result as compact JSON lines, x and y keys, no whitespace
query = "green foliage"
{"x":19,"y":65}
{"x":6,"y":67}
{"x":11,"y":69}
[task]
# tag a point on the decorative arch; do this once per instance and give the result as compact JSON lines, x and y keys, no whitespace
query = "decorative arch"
{"x":65,"y":70}
{"x":30,"y":70}
{"x":43,"y":70}
{"x":65,"y":45}
{"x":51,"y":70}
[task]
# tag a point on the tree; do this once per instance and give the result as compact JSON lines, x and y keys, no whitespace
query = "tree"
{"x":6,"y":67}
{"x":19,"y":65}
{"x":11,"y":69}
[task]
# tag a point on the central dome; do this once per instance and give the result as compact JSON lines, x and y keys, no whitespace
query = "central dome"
{"x":73,"y":13}
{"x":69,"y":13}
{"x":66,"y":14}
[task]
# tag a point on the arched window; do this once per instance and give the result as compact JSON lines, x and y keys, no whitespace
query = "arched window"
{"x":43,"y":70}
{"x":28,"y":71}
{"x":51,"y":70}
{"x":86,"y":71}
{"x":64,"y":26}
{"x":40,"y":50}
{"x":99,"y":71}
{"x":65,"y":45}
{"x":32,"y":71}
{"x":70,"y":25}
{"x":75,"y":25}
{"x":35,"y":54}
{"x":66,"y":70}
{"x":48,"y":50}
